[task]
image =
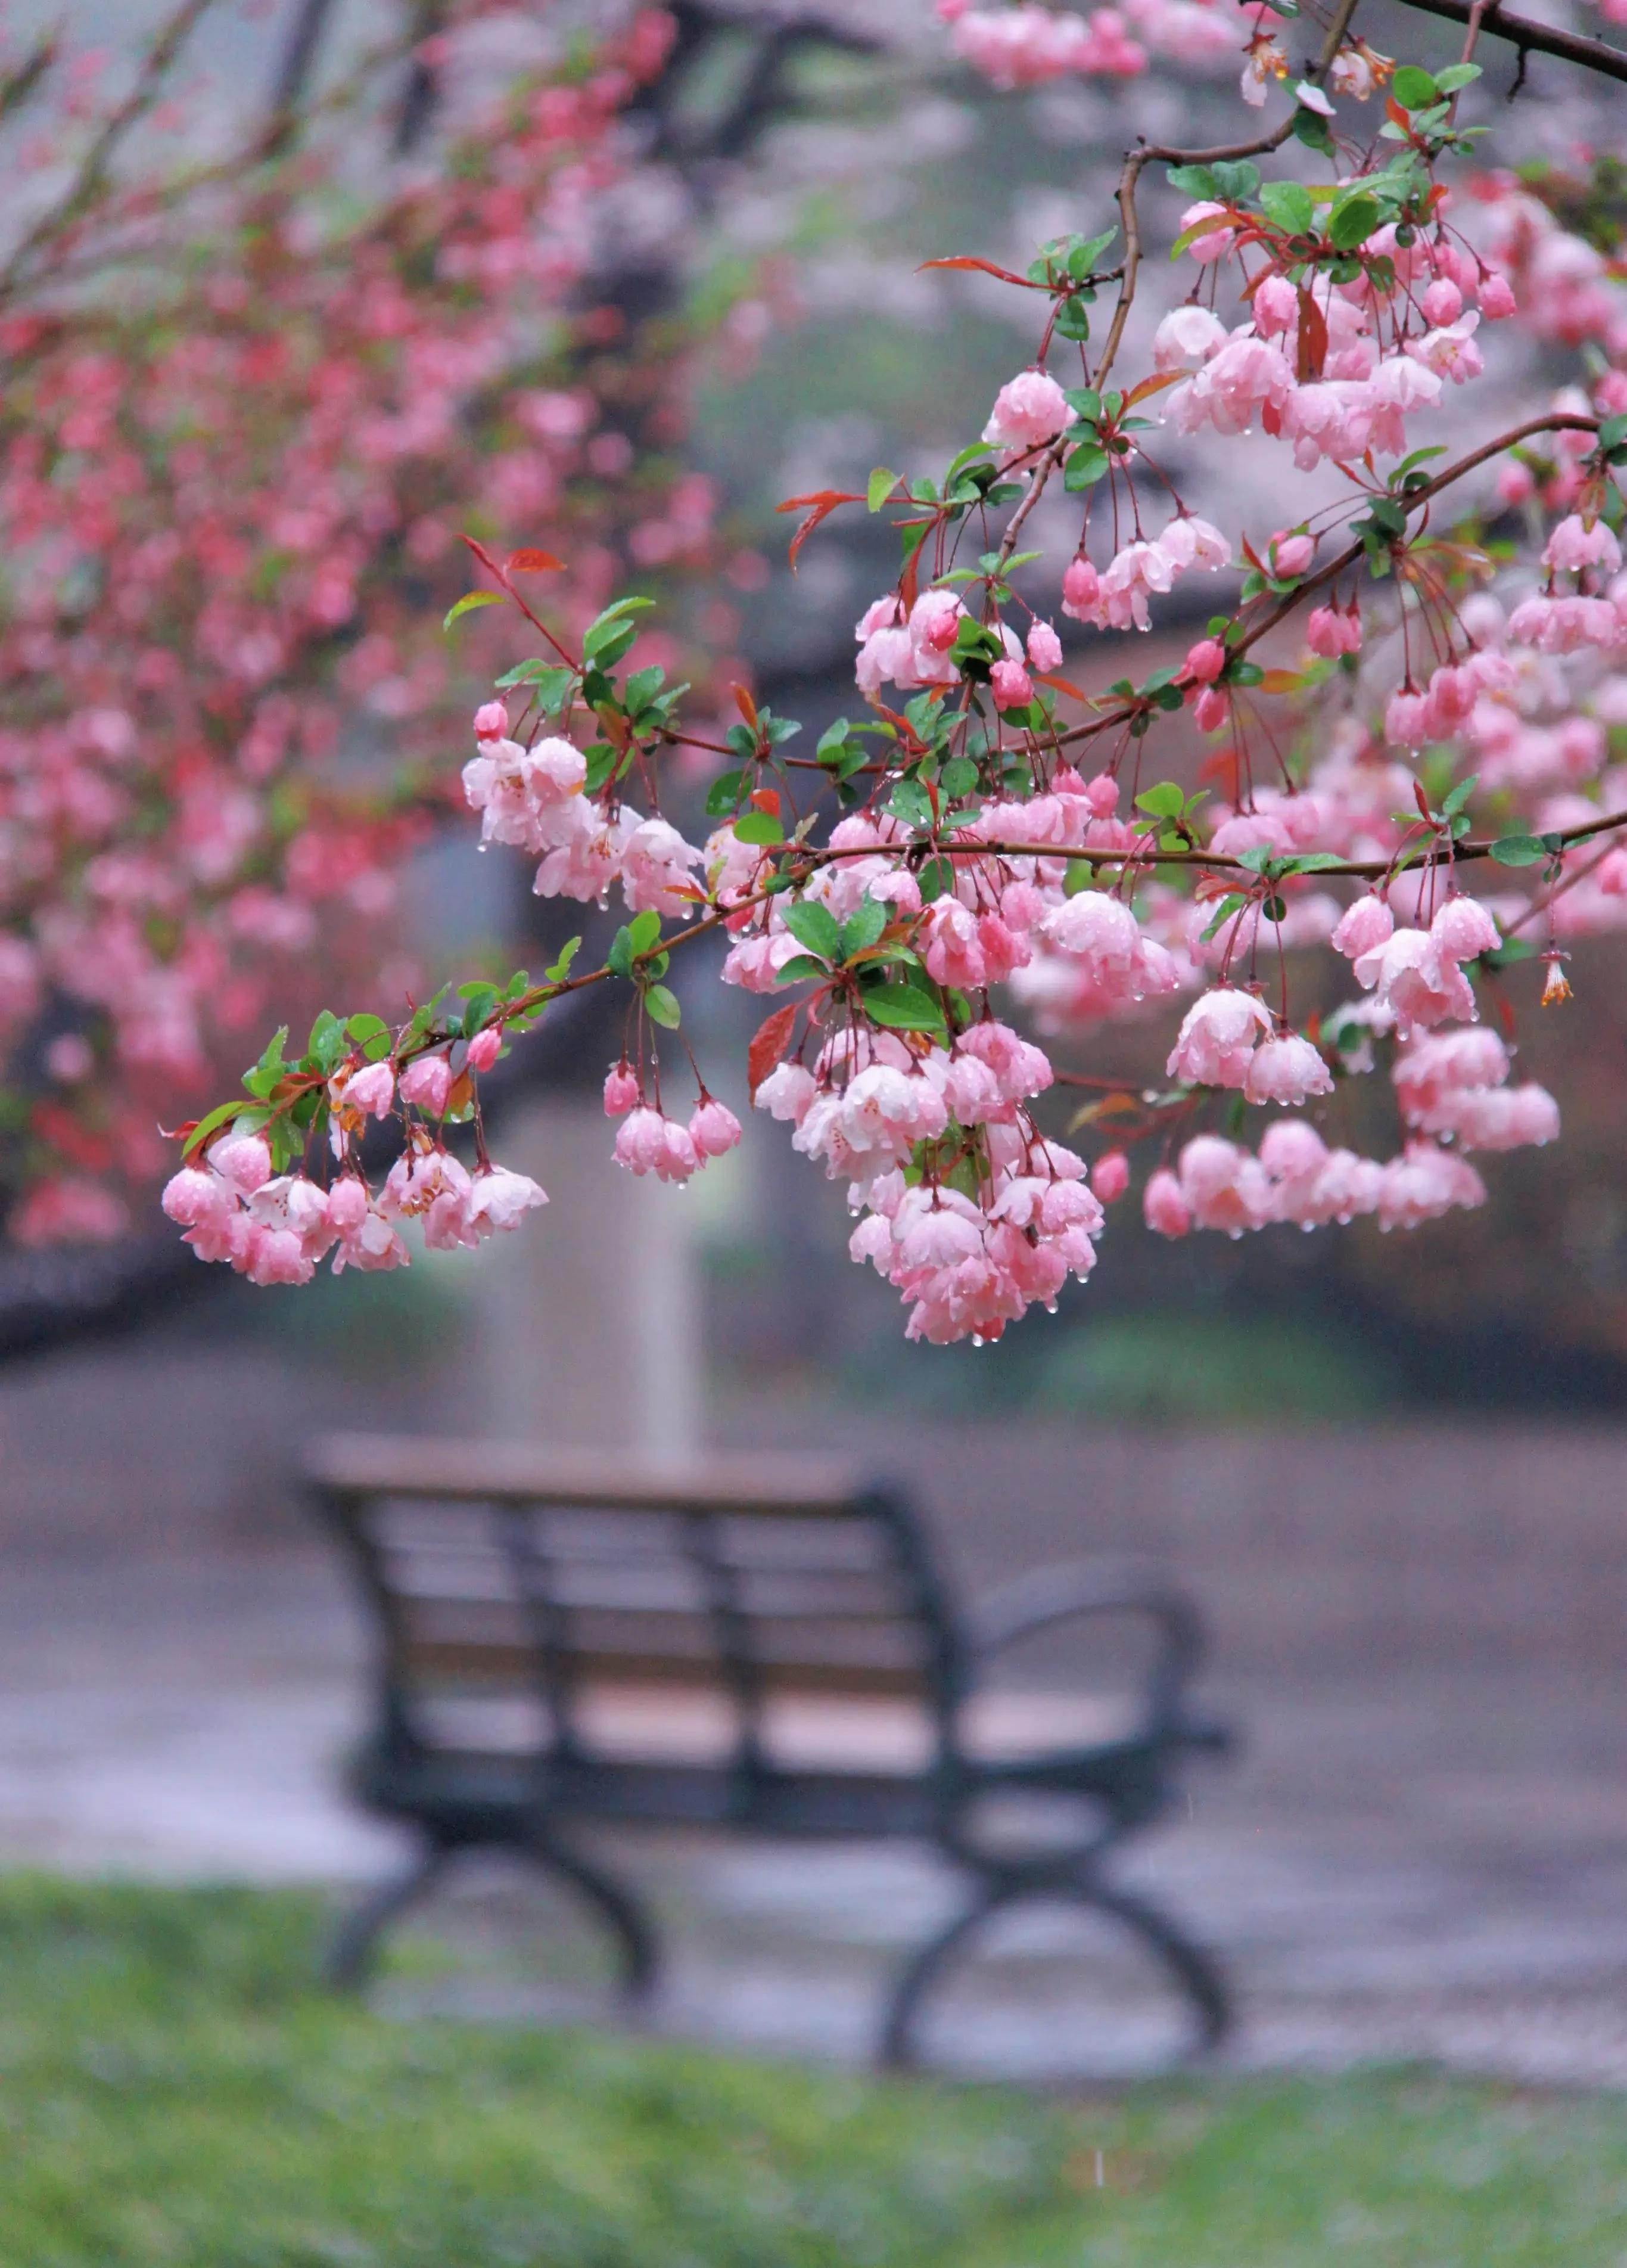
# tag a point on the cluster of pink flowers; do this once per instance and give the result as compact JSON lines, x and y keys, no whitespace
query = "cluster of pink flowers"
{"x":880,"y":893}
{"x":1025,"y":45}
{"x":1296,"y":1178}
{"x":273,"y":1228}
{"x":648,"y":1142}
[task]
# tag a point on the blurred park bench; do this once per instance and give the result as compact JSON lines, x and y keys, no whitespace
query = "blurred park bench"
{"x":757,"y":1643}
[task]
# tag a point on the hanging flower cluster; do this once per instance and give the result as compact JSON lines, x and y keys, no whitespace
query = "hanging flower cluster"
{"x":1412,"y":782}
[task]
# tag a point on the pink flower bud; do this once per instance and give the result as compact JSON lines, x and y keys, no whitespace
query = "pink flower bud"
{"x":1102,"y":794}
{"x":1495,"y":297}
{"x":1081,"y":588}
{"x":347,"y":1206}
{"x":621,"y":1090}
{"x":1363,"y":927}
{"x":1443,"y":302}
{"x":1291,"y":554}
{"x":1276,"y":306}
{"x":714,"y":1128}
{"x":191,"y":1195}
{"x":1210,"y":710}
{"x":1109,"y":1176}
{"x":1515,"y":483}
{"x":484,"y":1048}
{"x":427,"y":1083}
{"x":491,"y":721}
{"x":1205,"y":662}
{"x":1013,"y":688}
{"x":1044,"y":648}
{"x":1165,"y":1208}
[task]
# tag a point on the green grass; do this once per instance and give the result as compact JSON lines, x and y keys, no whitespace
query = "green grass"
{"x":173,"y":2094}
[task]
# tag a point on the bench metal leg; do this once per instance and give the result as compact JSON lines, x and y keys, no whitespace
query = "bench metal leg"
{"x":640,"y":1949}
{"x":350,"y":1953}
{"x":1191,"y":1967}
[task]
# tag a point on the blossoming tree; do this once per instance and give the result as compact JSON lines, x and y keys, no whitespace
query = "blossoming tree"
{"x":1409,"y":686}
{"x":251,"y":395}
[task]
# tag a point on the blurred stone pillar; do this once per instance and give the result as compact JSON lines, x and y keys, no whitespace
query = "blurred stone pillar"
{"x":586,"y":1321}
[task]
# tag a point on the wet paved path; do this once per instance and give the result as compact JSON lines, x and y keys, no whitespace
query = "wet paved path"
{"x":1417,"y":1867}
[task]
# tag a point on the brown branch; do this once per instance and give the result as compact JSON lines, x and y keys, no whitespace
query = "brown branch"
{"x":1530,"y":37}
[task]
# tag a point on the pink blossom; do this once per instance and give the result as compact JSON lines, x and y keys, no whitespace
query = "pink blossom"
{"x":1290,"y":554}
{"x":1330,"y":633}
{"x":491,"y":721}
{"x":1081,"y":590}
{"x":1495,"y":297}
{"x":1275,"y":306}
{"x":1205,"y":662}
{"x":1109,"y":1176}
{"x":1217,"y":1039}
{"x":647,"y":1142}
{"x":656,"y":866}
{"x":621,"y":1090}
{"x":786,"y":1093}
{"x":243,"y":1160}
{"x":1186,"y":334}
{"x":1163,"y":1207}
{"x":713,"y":1128}
{"x":1424,"y":1183}
{"x":427,"y":1084}
{"x":498,"y":1199}
{"x":1463,"y":929}
{"x":1406,"y":720}
{"x":1574,"y":546}
{"x":1013,"y":688}
{"x":484,"y":1048}
{"x":1224,"y":1187}
{"x":1044,"y":648}
{"x":1363,"y":927}
{"x":370,"y":1090}
{"x":1287,"y":1070}
{"x":1029,"y":410}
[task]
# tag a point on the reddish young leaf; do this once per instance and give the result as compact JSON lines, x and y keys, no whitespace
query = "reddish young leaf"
{"x":985,"y":267}
{"x":1313,"y":338}
{"x":766,"y":798}
{"x":772,"y":1038}
{"x":823,"y":501}
{"x":534,"y":563}
{"x":1153,"y":384}
{"x":1059,"y":685}
{"x":744,"y":702}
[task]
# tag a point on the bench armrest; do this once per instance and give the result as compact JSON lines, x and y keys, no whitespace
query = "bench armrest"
{"x":1054,"y":1594}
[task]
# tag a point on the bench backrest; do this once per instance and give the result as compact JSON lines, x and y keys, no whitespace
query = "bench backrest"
{"x":523,"y":1596}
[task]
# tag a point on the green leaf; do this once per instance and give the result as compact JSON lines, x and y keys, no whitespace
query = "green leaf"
{"x":724,"y":794}
{"x":879,"y":487}
{"x":1517,"y":851}
{"x":1459,"y":795}
{"x":560,"y":968}
{"x":663,"y":1004}
{"x":816,"y":927}
{"x":1233,"y":903}
{"x":1612,"y":434}
{"x":832,"y":742}
{"x":958,"y":778}
{"x":1164,"y":800}
{"x":550,"y":682}
{"x":1414,"y":89}
{"x":372,"y":1034}
{"x":1087,"y":465}
{"x":1288,"y":205}
{"x":935,"y":880}
{"x":1072,"y":321}
{"x":479,"y":1004}
{"x":901,"y":1008}
{"x":799,"y":969}
{"x":602,"y":762}
{"x":1236,"y":181}
{"x":326,"y":1043}
{"x":619,"y":960}
{"x":760,"y":826}
{"x":1194,"y":181}
{"x":1353,"y":223}
{"x":644,"y":930}
{"x":864,"y":926}
{"x":1456,"y":76}
{"x":467,"y":603}
{"x":642,"y":687}
{"x":911,"y":804}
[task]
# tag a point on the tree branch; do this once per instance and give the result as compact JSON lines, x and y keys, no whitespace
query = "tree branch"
{"x":1530,"y":37}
